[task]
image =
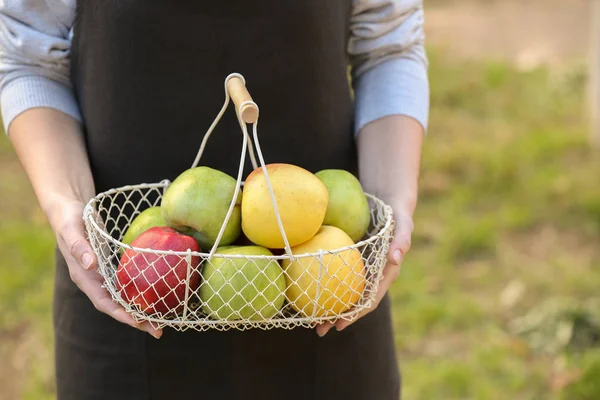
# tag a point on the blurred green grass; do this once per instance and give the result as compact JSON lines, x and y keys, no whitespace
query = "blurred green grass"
{"x":508,"y":218}
{"x":26,"y":272}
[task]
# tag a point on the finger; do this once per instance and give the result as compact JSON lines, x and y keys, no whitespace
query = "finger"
{"x":123,"y":316}
{"x":390,"y":274}
{"x":103,"y":303}
{"x":398,"y":248}
{"x":401,"y":243}
{"x":324,"y":328}
{"x":342,"y":324}
{"x":79,"y":248}
{"x":404,"y":224}
{"x":106,"y":305}
{"x":395,"y":253}
{"x":384,"y":285}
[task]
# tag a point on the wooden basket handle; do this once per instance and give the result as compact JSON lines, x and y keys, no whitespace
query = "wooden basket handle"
{"x":244,"y":105}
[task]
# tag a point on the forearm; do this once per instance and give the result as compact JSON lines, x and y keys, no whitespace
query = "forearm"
{"x":51,"y":149}
{"x":389,"y":160}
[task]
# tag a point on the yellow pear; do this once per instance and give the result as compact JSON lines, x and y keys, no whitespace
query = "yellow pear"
{"x":328,"y":288}
{"x":301,"y":198}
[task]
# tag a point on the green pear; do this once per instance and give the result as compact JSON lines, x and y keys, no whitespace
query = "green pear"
{"x":196,"y":203}
{"x":348,"y":207}
{"x":239,"y":288}
{"x":149,"y":218}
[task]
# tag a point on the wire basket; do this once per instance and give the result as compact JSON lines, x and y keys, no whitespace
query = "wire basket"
{"x":173,"y":283}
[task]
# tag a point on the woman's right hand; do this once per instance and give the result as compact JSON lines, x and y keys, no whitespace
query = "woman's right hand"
{"x":49,"y":140}
{"x":67,"y":223}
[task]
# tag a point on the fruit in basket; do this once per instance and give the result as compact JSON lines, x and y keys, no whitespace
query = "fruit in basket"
{"x":196,"y":203}
{"x":348,"y":207}
{"x":330,"y":288}
{"x":241,"y":288}
{"x":157,"y":283}
{"x":149,"y":218}
{"x":301,"y":200}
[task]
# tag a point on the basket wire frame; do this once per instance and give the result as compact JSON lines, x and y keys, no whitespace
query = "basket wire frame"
{"x":185,"y":289}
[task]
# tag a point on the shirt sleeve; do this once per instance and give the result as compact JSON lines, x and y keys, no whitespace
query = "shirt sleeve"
{"x":35,"y":41}
{"x":388,"y":60}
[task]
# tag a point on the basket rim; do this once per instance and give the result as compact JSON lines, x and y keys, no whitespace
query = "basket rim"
{"x":89,"y":211}
{"x":179,"y":321}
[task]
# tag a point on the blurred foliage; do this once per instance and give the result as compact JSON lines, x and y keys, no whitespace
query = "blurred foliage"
{"x":493,"y":301}
{"x":560,"y":324}
{"x":507,"y":222}
{"x":586,"y":386}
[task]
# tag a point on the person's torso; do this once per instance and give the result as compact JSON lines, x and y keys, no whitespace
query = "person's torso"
{"x":149,"y":77}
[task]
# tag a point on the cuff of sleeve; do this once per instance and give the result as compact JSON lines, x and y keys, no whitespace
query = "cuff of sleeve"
{"x":397,"y":86}
{"x":28,"y":92}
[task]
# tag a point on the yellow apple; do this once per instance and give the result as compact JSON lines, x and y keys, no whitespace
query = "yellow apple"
{"x":328,"y":288}
{"x":301,"y":200}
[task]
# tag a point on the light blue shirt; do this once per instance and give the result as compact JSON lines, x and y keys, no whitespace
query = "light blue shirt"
{"x":386,"y":52}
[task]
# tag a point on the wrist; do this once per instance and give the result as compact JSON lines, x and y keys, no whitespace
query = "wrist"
{"x":53,"y":203}
{"x":65,"y":191}
{"x":404,"y":204}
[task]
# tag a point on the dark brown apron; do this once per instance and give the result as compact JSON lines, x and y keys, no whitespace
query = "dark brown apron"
{"x":149,"y":78}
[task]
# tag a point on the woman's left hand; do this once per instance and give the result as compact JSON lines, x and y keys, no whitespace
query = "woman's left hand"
{"x":399,"y":246}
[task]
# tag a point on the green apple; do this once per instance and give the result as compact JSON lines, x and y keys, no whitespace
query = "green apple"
{"x":240,"y":288}
{"x":149,"y":218}
{"x":196,"y":203}
{"x":348,"y":207}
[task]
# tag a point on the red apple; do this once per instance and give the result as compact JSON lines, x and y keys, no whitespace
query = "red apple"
{"x":157,"y":283}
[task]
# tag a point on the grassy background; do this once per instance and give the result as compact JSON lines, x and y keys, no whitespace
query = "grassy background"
{"x":492,"y":299}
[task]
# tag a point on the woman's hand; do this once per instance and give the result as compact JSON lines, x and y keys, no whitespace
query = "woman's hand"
{"x":51,"y":149}
{"x":399,"y":246}
{"x":67,"y":224}
{"x":389,"y":161}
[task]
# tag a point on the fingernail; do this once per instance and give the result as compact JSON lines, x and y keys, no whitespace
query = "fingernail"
{"x":397,"y":256}
{"x":323,"y":333}
{"x":87,"y":260}
{"x":156,"y":335}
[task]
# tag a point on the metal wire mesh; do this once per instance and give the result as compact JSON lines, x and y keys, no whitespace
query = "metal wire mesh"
{"x":189,"y":289}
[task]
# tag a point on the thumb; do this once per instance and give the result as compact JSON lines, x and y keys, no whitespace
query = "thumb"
{"x":75,"y":240}
{"x":402,"y":239}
